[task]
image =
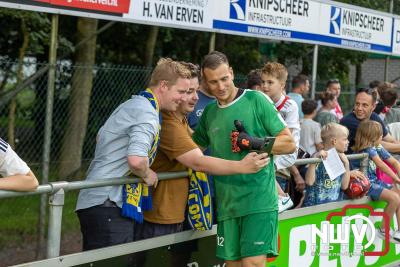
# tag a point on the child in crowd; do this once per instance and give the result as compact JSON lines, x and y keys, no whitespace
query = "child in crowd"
{"x":320,"y":187}
{"x":389,"y":114}
{"x":324,"y":115}
{"x":367,"y":140}
{"x":254,"y":81}
{"x":274,"y":76}
{"x":310,"y":131}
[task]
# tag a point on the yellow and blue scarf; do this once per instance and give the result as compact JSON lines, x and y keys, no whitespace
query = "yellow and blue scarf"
{"x":200,"y":211}
{"x":136,"y":198}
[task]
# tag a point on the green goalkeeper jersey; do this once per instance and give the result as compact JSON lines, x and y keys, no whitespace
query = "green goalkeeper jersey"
{"x":241,"y":194}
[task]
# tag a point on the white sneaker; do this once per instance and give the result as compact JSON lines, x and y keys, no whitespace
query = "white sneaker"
{"x":381,"y":233}
{"x":394,"y":236}
{"x":284,"y":203}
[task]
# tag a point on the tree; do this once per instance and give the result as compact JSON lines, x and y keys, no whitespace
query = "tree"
{"x":23,"y":34}
{"x":82,"y":81}
{"x":20,"y":77}
{"x":150,"y":45}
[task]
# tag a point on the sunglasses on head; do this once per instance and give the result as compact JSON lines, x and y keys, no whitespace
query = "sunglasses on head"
{"x":369,"y":91}
{"x":333,"y":81}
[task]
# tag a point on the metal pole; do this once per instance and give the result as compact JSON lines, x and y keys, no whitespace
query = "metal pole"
{"x":56,"y":203}
{"x":386,"y":70}
{"x":364,"y":164}
{"x":387,"y":59}
{"x":314,"y":71}
{"x":211,"y":46}
{"x":47,"y":131}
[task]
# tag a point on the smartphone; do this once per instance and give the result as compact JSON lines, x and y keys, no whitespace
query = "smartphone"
{"x":268,"y":144}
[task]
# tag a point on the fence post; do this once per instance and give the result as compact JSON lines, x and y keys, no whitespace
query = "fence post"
{"x":56,"y":202}
{"x":211,"y":44}
{"x":364,"y":164}
{"x":47,"y":132}
{"x":314,"y":72}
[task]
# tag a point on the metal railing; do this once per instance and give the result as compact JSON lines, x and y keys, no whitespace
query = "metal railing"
{"x":57,"y":192}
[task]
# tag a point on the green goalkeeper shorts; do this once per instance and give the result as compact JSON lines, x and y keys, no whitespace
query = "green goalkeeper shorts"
{"x":247,"y":236}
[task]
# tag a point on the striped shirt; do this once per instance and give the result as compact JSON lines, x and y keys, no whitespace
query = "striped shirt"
{"x":10,"y":162}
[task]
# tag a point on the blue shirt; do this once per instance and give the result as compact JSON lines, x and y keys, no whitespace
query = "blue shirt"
{"x":194,"y":116}
{"x":324,"y":190}
{"x":298,"y":98}
{"x":351,"y":122}
{"x":372,"y":152}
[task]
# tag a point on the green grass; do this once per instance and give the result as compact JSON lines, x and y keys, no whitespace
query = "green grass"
{"x":20,"y":217}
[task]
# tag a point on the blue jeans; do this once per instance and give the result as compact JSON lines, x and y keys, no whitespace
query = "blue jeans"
{"x":282,"y":182}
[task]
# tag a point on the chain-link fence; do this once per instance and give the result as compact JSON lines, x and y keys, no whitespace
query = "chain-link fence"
{"x":73,"y":101}
{"x":111,"y":86}
{"x":80,"y":108}
{"x":84,"y":98}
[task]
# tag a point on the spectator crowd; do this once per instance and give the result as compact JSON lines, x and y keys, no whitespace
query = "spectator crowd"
{"x":240,"y":144}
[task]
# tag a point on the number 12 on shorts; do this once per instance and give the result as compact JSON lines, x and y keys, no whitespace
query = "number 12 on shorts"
{"x":220,"y":241}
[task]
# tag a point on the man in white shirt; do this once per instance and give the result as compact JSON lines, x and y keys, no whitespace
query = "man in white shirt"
{"x":300,"y":88}
{"x":16,"y":174}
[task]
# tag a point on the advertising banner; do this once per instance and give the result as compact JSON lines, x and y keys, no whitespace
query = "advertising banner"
{"x":178,"y":13}
{"x":396,"y":37}
{"x":268,"y":19}
{"x":319,"y":236}
{"x":357,"y":29}
{"x":308,"y":21}
{"x":107,"y":6}
{"x":342,"y":237}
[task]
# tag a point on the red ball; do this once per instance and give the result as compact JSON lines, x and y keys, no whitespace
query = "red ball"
{"x":357,"y":188}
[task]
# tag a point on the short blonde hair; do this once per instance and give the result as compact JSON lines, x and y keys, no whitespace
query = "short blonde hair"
{"x":276,"y":70}
{"x":368,"y":132}
{"x":332,"y":130}
{"x":168,"y":70}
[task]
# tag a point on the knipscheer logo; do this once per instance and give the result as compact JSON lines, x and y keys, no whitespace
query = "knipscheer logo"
{"x":335,"y":20}
{"x":237,"y":9}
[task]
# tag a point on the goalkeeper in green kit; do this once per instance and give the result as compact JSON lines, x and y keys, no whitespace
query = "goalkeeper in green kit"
{"x":246,"y":203}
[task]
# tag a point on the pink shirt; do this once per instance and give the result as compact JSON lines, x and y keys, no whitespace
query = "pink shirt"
{"x":337,"y":111}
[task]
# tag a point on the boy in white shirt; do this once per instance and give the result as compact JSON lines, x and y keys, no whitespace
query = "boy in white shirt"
{"x":274,"y":76}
